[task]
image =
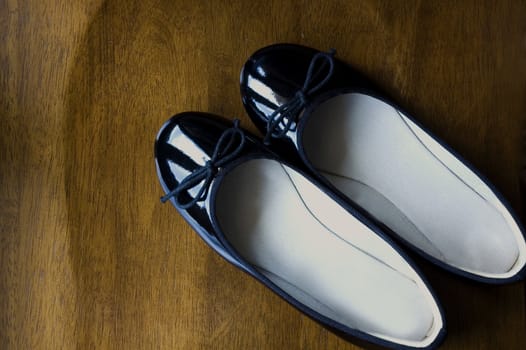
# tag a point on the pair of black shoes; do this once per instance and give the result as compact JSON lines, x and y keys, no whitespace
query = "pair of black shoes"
{"x":313,"y":209}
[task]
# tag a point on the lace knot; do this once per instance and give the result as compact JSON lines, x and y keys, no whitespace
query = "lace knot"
{"x":228,"y":147}
{"x":302,"y":98}
{"x":283,"y":118}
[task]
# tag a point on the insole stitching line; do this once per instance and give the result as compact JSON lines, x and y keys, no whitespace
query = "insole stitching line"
{"x":334,"y":233}
{"x":438,"y":159}
{"x":454,"y":174}
{"x":404,"y":217}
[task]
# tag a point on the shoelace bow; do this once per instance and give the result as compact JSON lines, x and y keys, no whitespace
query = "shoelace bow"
{"x":225,"y":151}
{"x":288,"y":112}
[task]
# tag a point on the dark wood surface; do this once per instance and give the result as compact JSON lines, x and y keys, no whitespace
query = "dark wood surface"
{"x":89,"y":258}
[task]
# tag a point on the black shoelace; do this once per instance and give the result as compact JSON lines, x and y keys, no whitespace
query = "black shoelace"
{"x":288,"y":112}
{"x":228,"y":147}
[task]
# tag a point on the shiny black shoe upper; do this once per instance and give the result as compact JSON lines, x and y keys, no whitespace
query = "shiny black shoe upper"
{"x":280,"y":225}
{"x":364,"y":147}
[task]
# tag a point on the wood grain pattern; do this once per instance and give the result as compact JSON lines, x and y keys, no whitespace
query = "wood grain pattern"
{"x":89,"y":258}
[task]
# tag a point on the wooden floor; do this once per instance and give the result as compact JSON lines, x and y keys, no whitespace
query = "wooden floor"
{"x":89,"y":257}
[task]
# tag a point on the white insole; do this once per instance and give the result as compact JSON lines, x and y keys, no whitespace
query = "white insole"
{"x":389,"y":166}
{"x":312,"y":248}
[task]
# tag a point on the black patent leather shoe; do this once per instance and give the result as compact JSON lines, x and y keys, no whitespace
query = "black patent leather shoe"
{"x":364,"y":147}
{"x":277,"y":223}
